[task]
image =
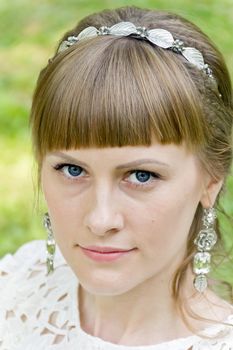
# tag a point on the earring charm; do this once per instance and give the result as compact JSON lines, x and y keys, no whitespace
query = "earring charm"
{"x":50,"y":244}
{"x":205,"y":241}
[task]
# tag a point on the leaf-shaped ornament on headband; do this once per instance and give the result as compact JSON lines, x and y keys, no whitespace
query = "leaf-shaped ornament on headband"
{"x":161,"y":38}
{"x":88,"y":32}
{"x":123,"y":29}
{"x":158,"y":36}
{"x":194,"y":56}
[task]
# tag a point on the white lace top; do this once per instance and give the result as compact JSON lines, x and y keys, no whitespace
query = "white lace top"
{"x":38,"y":312}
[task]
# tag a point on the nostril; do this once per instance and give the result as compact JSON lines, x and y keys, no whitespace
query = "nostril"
{"x":107,"y":223}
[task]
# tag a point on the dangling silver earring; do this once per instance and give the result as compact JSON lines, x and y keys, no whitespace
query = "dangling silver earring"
{"x":50,"y":244}
{"x":205,"y":241}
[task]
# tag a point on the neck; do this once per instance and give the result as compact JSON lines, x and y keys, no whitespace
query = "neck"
{"x":145,"y":315}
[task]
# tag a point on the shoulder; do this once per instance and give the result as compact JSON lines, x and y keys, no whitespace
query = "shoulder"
{"x":26,"y":256}
{"x":27,"y":265}
{"x":28,"y":297}
{"x":24,"y":272}
{"x":29,"y":256}
{"x":217,"y":337}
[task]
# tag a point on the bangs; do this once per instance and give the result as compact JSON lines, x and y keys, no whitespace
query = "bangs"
{"x":114,"y":92}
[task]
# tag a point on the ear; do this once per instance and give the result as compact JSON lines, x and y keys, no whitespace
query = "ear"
{"x":210,"y":192}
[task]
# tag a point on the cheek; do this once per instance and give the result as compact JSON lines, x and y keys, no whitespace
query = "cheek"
{"x":165,"y":222}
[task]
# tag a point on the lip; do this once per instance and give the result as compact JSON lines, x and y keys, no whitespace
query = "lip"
{"x":106,"y":249}
{"x":106,"y":256}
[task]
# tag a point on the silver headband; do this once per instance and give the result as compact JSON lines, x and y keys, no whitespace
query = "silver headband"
{"x":159,"y":37}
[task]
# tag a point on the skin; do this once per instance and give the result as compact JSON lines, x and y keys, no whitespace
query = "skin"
{"x":107,"y":206}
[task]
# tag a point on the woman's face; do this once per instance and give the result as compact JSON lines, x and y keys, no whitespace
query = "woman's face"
{"x":141,"y":198}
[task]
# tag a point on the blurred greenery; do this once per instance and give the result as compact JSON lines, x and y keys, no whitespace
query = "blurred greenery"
{"x":29,"y":32}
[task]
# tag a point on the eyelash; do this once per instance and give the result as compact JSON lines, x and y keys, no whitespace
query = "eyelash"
{"x":155,"y":176}
{"x":60,"y":167}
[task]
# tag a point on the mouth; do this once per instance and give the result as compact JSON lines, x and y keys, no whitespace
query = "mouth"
{"x":107,"y":255}
{"x":106,"y":250}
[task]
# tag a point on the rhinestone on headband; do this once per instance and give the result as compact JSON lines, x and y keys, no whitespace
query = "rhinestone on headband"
{"x":159,"y":37}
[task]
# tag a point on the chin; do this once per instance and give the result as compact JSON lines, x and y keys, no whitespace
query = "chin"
{"x":104,"y":286}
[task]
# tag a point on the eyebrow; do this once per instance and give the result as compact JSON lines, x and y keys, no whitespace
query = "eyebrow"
{"x":135,"y":163}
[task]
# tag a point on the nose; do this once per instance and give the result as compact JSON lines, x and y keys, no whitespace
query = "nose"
{"x":103,"y":216}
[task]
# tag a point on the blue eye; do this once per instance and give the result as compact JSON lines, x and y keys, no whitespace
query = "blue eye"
{"x":142,"y":176}
{"x":69,"y":170}
{"x":73,"y":170}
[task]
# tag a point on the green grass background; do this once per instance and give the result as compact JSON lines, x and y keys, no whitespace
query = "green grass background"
{"x":29,"y":32}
